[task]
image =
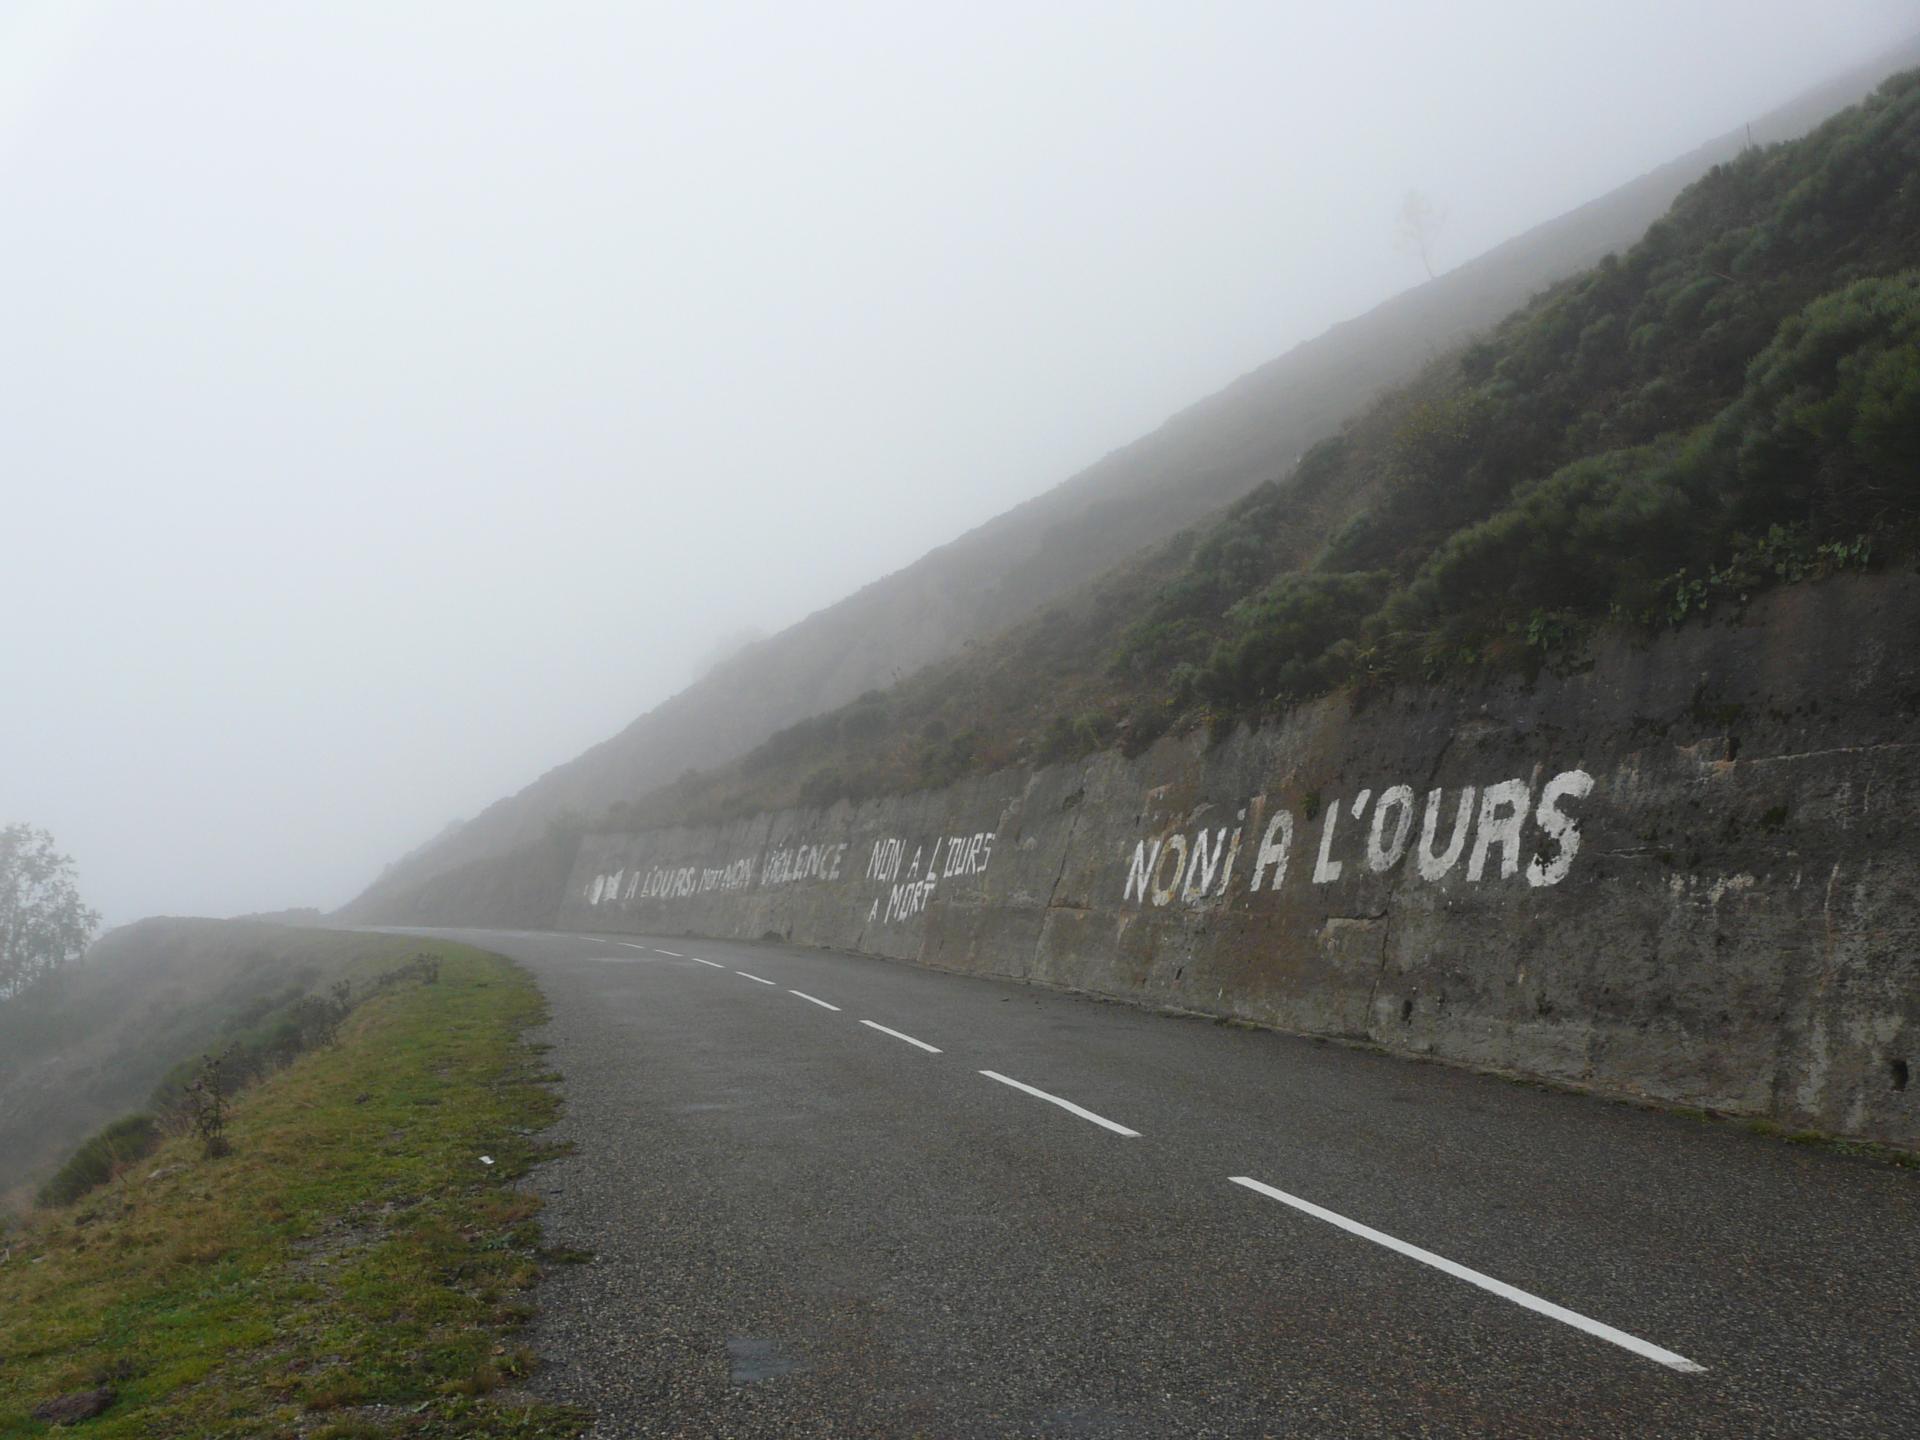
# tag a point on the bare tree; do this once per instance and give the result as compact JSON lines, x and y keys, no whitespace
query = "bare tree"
{"x":1419,"y":226}
{"x":43,"y":923}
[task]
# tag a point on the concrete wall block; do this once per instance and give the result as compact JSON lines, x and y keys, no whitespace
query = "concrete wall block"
{"x":1687,"y":871}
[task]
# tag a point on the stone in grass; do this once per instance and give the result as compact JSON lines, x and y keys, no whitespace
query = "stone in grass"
{"x":72,"y":1409}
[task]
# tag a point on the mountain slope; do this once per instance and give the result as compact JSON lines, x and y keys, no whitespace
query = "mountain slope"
{"x":1731,"y":403}
{"x":90,"y":1043}
{"x":1207,"y":456}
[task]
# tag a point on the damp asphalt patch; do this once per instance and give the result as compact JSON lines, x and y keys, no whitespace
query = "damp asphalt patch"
{"x":757,"y":1360}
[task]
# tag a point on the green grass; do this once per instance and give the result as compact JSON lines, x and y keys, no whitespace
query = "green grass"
{"x":94,"y":1042}
{"x":351,"y":1269}
{"x":1819,"y":1139}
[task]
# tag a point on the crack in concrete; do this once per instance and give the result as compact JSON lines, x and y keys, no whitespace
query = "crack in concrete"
{"x":1818,"y":754}
{"x":1380,"y":971}
{"x":1066,"y":854}
{"x":1053,"y":891}
{"x":1394,"y":887}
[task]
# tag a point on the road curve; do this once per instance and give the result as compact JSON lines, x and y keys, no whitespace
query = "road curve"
{"x":835,"y":1196}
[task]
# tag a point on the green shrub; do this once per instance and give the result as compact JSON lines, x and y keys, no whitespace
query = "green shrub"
{"x":1281,"y":636}
{"x":101,"y":1157}
{"x":1732,"y":402}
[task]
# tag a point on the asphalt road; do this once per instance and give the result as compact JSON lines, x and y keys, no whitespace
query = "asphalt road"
{"x":813,"y":1213}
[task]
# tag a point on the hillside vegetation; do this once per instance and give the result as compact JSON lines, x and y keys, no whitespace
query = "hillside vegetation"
{"x":349,"y":1267}
{"x":1037,"y":555}
{"x":94,"y":1041}
{"x":1731,"y":402}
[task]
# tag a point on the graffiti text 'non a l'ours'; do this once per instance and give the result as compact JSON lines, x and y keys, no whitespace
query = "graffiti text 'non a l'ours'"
{"x":1484,"y":828}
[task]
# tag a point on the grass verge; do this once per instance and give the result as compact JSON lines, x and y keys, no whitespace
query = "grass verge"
{"x":353,"y":1269}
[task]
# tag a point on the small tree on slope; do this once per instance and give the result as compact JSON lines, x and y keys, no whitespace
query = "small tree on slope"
{"x":43,"y":923}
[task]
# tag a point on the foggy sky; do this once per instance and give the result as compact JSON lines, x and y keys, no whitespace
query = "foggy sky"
{"x":397,"y":399}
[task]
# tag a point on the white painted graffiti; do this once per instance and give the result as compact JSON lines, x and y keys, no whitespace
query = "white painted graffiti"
{"x":911,"y":883}
{"x":1202,"y":864}
{"x":964,"y":855}
{"x":1500,"y":831}
{"x":952,"y":855}
{"x":803,"y":862}
{"x":908,"y":899}
{"x":786,"y":866}
{"x":669,"y":883}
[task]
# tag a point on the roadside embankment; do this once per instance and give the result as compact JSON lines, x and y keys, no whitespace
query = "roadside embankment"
{"x":1686,"y":873}
{"x":351,"y":1265}
{"x":93,"y":1041}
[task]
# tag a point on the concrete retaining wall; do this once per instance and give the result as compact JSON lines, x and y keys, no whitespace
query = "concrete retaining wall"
{"x":1689,"y":873}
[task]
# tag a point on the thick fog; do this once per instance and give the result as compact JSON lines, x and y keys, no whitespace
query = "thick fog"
{"x":395,"y":400}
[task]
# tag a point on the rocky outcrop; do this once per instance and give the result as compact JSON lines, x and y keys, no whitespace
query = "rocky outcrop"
{"x":1688,"y":872}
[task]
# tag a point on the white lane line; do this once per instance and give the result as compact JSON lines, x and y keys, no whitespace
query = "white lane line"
{"x":710,"y":964}
{"x":631,"y":946}
{"x":1519,"y":1297}
{"x":930,"y":1049}
{"x":753,"y":977}
{"x":1066,"y":1105}
{"x":814,"y":999}
{"x":675,"y":953}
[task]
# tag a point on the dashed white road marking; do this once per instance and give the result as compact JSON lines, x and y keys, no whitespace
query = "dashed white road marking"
{"x":710,"y":964}
{"x":1066,"y":1105}
{"x":814,"y":999}
{"x":1519,"y":1297}
{"x":930,"y":1049}
{"x":753,"y":977}
{"x":675,"y":953}
{"x":631,"y":946}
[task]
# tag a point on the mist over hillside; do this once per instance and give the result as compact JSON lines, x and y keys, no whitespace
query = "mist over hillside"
{"x":1730,"y":404}
{"x":1162,"y":829}
{"x":1200,"y":460}
{"x":90,"y":1044}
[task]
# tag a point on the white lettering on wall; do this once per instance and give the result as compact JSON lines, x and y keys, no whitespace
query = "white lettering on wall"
{"x":1325,"y":870}
{"x":669,"y":883}
{"x":803,"y":862}
{"x":1207,"y":861}
{"x":1503,"y":810}
{"x":1174,"y":848}
{"x":1432,"y":866}
{"x":884,"y":862}
{"x":1499,"y":830}
{"x":1561,"y":828}
{"x":1397,"y":802}
{"x":952,"y":857}
{"x":1488,"y":829}
{"x":1274,"y":848}
{"x":1140,"y":872}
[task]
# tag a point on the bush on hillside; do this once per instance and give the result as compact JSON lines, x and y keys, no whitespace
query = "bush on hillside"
{"x":1822,"y":444}
{"x":1732,"y":402}
{"x":104,"y":1155}
{"x":1281,"y":636}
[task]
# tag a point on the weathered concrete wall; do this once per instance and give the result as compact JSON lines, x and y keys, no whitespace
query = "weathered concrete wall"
{"x":1689,"y":873}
